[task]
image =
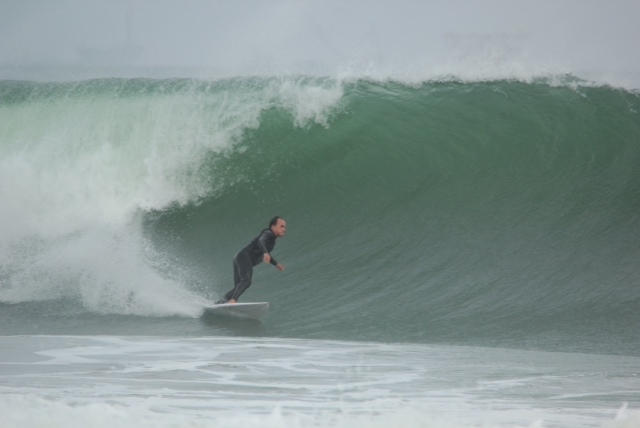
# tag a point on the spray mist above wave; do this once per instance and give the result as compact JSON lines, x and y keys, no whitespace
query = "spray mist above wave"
{"x":81,"y":162}
{"x":103,"y":149}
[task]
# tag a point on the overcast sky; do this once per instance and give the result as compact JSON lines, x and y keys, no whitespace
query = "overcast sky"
{"x":246,"y":36}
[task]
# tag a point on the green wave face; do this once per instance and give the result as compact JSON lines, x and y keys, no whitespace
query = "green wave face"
{"x":452,"y":211}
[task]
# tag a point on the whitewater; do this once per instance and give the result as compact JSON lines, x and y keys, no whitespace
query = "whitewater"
{"x":461,"y":252}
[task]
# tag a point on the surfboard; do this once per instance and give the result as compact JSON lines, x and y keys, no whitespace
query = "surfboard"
{"x":253,"y":310}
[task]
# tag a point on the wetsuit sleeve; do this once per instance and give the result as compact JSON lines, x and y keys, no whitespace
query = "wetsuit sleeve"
{"x":263,"y":243}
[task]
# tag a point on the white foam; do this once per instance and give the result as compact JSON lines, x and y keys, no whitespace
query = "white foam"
{"x":31,"y":411}
{"x":140,"y":381}
{"x":78,"y":170}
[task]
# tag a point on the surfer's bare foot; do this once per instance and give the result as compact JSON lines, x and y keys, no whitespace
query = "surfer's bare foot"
{"x":232,"y":301}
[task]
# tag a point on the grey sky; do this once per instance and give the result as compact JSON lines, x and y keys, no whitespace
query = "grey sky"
{"x":249,"y":36}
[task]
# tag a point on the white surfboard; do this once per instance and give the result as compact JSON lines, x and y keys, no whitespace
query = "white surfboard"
{"x":254,"y":310}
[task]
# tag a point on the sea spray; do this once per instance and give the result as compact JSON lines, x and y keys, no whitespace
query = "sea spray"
{"x":82,"y":162}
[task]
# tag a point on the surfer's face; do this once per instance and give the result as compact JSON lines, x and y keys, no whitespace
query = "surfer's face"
{"x":280,"y":228}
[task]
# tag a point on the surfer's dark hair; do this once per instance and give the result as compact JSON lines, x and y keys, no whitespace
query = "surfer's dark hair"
{"x":274,"y":221}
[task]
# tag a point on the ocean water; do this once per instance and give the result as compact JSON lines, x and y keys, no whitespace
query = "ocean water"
{"x":460,"y":252}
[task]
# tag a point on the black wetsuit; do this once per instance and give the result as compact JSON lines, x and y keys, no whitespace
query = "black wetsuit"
{"x":247,"y":258}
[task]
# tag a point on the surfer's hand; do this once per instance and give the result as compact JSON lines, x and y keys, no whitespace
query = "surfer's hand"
{"x":280,"y":267}
{"x":266,"y":257}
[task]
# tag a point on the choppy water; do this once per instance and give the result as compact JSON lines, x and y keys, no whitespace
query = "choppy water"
{"x":160,"y":381}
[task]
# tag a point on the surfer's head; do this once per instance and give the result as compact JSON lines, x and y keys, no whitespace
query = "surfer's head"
{"x":278,"y":226}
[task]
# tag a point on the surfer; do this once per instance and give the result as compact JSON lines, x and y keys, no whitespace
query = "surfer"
{"x":258,"y":250}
